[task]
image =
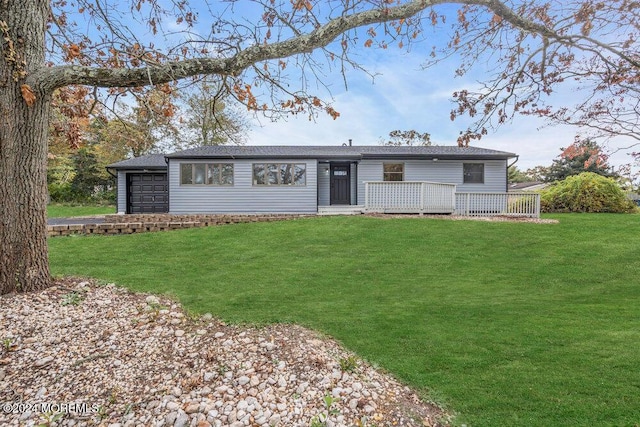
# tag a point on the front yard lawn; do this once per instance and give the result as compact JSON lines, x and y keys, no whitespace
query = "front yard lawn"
{"x":506,"y":323}
{"x":57,"y":210}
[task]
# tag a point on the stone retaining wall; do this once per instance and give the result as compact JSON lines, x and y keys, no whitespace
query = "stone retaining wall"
{"x":208,"y":219}
{"x":129,"y":224}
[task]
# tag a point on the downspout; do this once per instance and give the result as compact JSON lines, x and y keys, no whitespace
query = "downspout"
{"x":109,"y":172}
{"x":166,"y":160}
{"x":507,"y":171}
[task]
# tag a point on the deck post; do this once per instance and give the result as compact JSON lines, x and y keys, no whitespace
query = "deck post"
{"x":466,"y":206}
{"x":366,"y":195}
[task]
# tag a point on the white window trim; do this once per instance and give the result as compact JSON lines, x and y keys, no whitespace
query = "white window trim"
{"x":393,"y":163}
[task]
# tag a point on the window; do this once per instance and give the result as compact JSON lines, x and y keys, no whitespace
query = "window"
{"x":279,"y":174}
{"x":393,"y":172}
{"x":473,"y":173}
{"x":206,"y":173}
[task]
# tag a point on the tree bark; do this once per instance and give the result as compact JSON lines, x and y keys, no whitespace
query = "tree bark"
{"x":24,"y":262}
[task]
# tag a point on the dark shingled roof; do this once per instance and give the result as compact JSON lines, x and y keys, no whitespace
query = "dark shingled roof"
{"x":340,"y":151}
{"x":151,"y":161}
{"x":320,"y":152}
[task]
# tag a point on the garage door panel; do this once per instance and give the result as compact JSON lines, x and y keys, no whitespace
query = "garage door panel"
{"x":147,"y":193}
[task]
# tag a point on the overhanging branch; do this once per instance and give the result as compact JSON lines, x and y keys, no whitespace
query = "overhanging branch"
{"x":48,"y":79}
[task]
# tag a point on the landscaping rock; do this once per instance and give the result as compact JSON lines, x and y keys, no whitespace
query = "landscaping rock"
{"x":112,"y":361}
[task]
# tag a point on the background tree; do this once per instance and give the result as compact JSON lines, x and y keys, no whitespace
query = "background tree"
{"x":45,"y":45}
{"x":537,"y":173}
{"x":90,"y":181}
{"x":68,"y":127}
{"x":581,"y":156}
{"x":209,"y":116}
{"x":629,"y":176}
{"x":85,"y":137}
{"x":407,"y":137}
{"x":143,"y":127}
{"x":516,"y":175}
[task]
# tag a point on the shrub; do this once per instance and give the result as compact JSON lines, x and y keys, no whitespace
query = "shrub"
{"x":66,"y":193}
{"x":586,"y":192}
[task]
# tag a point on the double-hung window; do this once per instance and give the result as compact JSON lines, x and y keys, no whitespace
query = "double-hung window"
{"x":393,"y":172}
{"x":473,"y":173}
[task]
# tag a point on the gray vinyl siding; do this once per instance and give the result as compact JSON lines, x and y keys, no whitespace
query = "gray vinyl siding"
{"x":243,"y":196}
{"x":354,"y":184}
{"x":324,"y":186}
{"x":121,"y":200}
{"x":446,"y":171}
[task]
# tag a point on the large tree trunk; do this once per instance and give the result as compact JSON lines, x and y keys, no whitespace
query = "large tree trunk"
{"x":24,"y":262}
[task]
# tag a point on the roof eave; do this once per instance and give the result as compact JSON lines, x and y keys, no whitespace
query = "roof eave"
{"x":136,"y":167}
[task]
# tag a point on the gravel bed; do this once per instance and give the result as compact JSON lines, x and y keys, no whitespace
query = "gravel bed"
{"x":80,"y":354}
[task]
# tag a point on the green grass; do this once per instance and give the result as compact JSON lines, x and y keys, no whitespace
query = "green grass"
{"x":506,"y":323}
{"x":65,"y":210}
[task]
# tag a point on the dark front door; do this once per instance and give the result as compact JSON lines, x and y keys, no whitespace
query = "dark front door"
{"x":147,"y":193}
{"x":340,"y":184}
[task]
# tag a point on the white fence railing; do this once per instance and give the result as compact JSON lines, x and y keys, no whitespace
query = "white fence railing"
{"x":498,"y":204}
{"x":409,"y":197}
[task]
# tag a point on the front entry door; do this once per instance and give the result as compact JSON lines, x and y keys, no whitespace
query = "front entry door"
{"x":340,"y":184}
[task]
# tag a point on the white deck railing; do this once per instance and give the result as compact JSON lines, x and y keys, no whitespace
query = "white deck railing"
{"x":409,"y":197}
{"x":498,"y":204}
{"x":435,"y":197}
